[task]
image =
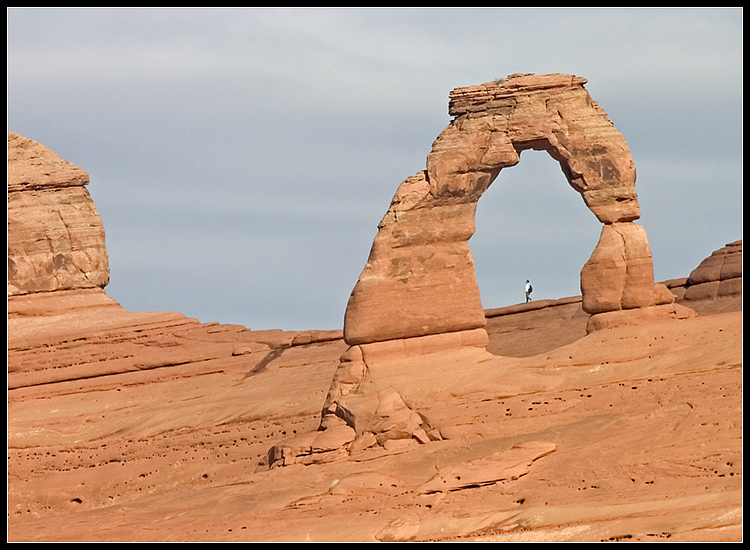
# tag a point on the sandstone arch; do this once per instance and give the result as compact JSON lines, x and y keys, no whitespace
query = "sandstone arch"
{"x":419,"y":279}
{"x":418,"y":292}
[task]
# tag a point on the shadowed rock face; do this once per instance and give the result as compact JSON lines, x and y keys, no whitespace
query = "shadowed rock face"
{"x":419,"y":279}
{"x":55,"y":234}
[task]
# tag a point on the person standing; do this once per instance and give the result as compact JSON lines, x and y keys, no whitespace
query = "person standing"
{"x":528,"y":291}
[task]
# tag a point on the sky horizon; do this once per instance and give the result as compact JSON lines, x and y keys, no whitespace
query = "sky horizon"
{"x":241,"y":158}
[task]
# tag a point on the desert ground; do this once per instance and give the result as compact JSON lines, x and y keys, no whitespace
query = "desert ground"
{"x":127,"y":426}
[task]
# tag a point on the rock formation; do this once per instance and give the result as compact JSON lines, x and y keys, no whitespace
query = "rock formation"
{"x":419,"y":278}
{"x":715,"y":285}
{"x":617,"y":281}
{"x":55,"y":235}
{"x":718,"y":276}
{"x":58,"y":266}
{"x":418,"y":291}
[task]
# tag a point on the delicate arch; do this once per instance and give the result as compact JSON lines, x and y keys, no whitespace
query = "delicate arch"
{"x":419,"y":279}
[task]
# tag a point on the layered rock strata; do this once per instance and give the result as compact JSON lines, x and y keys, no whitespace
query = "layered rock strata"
{"x":55,"y":234}
{"x":715,"y":285}
{"x":143,"y":426}
{"x":718,"y":276}
{"x":418,"y":291}
{"x":617,"y":281}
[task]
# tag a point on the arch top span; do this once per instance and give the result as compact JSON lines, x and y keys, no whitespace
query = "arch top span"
{"x":419,"y":279}
{"x":495,"y":121}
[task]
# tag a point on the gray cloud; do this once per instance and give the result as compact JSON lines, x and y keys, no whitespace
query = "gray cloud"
{"x":242,"y":158}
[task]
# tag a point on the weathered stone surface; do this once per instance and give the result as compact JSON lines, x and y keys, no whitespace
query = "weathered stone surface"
{"x":31,"y":165}
{"x":715,"y":284}
{"x":717,"y":276}
{"x":423,"y":345}
{"x":638,"y":316}
{"x":503,"y":466}
{"x":171,"y":453}
{"x":352,"y":400}
{"x":352,"y":423}
{"x":619,"y":274}
{"x":418,"y":291}
{"x":401,"y":529}
{"x":617,"y":282}
{"x":419,"y":278}
{"x":61,"y":336}
{"x":551,"y":112}
{"x":393,"y":419}
{"x":55,"y":235}
{"x":151,"y":426}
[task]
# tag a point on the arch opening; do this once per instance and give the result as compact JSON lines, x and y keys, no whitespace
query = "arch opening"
{"x":510,"y":246}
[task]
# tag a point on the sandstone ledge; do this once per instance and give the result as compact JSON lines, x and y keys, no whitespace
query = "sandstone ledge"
{"x":78,"y":334}
{"x":531,"y":306}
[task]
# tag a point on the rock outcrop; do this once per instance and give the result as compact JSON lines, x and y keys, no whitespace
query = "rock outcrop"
{"x":55,"y":234}
{"x":419,"y":279}
{"x":617,"y":281}
{"x":418,"y":291}
{"x":715,"y":285}
{"x":718,"y":276}
{"x":58,"y":266}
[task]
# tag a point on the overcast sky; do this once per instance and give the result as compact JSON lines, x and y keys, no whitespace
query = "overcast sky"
{"x":241,"y":159}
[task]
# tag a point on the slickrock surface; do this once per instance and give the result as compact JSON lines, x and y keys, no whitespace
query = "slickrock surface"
{"x":155,"y":427}
{"x":715,"y":285}
{"x":718,"y":277}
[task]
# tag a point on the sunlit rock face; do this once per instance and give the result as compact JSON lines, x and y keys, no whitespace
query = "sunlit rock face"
{"x":55,"y":234}
{"x":420,"y":280}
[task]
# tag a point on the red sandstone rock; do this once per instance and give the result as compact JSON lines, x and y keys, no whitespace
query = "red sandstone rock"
{"x":419,"y":278}
{"x":418,"y":292}
{"x":32,"y":166}
{"x":638,"y":316}
{"x":552,"y":112}
{"x":619,"y":274}
{"x":55,"y":235}
{"x":504,"y":466}
{"x":717,"y":276}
